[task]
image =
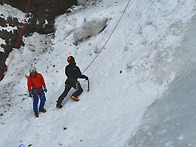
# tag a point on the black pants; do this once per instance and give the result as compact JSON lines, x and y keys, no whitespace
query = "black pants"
{"x":78,"y":88}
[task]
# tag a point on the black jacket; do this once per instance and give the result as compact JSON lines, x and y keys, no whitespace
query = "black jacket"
{"x":73,"y":73}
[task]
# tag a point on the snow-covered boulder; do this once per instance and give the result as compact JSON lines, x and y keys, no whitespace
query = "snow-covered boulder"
{"x":89,"y":28}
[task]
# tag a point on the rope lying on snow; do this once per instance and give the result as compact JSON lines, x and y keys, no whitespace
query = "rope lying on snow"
{"x":109,"y":36}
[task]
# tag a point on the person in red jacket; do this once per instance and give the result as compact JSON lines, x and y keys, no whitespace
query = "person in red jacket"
{"x":36,"y":88}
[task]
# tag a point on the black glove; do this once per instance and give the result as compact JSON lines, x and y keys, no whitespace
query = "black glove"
{"x":86,"y":78}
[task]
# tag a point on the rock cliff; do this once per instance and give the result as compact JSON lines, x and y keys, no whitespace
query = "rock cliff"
{"x":43,"y":14}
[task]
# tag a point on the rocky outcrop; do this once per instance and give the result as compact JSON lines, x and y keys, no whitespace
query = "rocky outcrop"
{"x":43,"y":14}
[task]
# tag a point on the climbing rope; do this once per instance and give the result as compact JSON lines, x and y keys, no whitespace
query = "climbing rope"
{"x":109,"y":36}
{"x":18,"y":40}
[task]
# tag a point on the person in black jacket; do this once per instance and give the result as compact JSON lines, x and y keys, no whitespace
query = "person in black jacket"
{"x":73,"y":73}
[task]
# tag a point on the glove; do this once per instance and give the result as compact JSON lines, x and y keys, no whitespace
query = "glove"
{"x":86,"y":78}
{"x":30,"y":94}
{"x":45,"y":89}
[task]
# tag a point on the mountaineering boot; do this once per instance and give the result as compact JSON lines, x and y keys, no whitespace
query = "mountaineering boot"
{"x":74,"y":98}
{"x":59,"y":106}
{"x":36,"y":114}
{"x":42,"y":110}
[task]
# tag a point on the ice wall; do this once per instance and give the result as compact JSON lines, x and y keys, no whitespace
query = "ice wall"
{"x":170,"y":120}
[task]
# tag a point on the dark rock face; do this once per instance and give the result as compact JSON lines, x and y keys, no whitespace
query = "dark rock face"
{"x":42,"y":10}
{"x":43,"y":14}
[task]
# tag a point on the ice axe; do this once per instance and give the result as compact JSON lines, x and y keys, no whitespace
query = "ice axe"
{"x":88,"y":85}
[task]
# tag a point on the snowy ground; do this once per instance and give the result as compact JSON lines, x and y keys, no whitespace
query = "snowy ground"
{"x":130,"y":66}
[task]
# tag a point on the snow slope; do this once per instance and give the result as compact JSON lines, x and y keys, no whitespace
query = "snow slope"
{"x":130,"y":64}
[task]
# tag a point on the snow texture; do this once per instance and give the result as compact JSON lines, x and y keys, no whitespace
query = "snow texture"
{"x":9,"y":11}
{"x":142,"y":80}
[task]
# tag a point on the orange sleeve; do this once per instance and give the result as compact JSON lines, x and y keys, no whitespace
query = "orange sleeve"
{"x":42,"y":80}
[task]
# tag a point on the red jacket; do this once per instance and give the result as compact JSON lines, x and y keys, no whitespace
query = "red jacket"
{"x":35,"y":82}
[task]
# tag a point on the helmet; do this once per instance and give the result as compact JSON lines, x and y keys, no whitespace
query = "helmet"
{"x":32,"y":69}
{"x":70,"y":59}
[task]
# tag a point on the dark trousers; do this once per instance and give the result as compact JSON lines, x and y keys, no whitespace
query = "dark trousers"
{"x":78,"y":88}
